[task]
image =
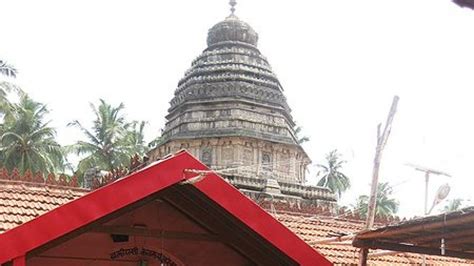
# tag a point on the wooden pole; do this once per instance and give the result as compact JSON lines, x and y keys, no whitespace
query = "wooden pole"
{"x":363,"y":255}
{"x":384,"y":253}
{"x":332,"y":239}
{"x":381,"y":142}
{"x":427,"y":180}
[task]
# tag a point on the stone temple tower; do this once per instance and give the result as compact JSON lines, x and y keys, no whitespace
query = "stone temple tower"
{"x":230,"y":112}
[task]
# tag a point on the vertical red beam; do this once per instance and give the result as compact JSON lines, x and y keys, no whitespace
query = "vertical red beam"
{"x":20,"y":261}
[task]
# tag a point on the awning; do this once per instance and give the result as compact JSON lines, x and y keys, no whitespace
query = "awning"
{"x":450,"y":234}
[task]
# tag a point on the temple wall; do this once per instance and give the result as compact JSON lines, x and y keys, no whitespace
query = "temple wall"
{"x":244,"y":157}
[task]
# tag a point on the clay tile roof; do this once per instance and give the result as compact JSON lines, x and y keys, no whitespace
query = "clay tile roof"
{"x":23,"y":201}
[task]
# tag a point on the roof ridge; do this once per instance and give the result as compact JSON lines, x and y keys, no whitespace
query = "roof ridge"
{"x":44,"y":186}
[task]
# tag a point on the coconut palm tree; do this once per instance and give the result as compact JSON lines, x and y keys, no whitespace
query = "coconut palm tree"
{"x":385,"y":205}
{"x":111,"y":141}
{"x":27,"y":142}
{"x":331,"y":175}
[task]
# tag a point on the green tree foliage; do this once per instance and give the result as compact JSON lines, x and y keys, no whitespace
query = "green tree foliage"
{"x":7,"y":87}
{"x":7,"y":70}
{"x":331,"y":176}
{"x":386,"y":206}
{"x":135,"y":138}
{"x":27,"y":141}
{"x":111,"y":141}
{"x":453,"y":205}
{"x":155,"y":142}
{"x":299,"y":138}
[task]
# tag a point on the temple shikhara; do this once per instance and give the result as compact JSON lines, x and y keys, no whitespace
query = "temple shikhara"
{"x":226,"y":185}
{"x":229,"y":111}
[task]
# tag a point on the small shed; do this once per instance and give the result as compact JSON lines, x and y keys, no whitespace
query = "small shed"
{"x":173,"y":212}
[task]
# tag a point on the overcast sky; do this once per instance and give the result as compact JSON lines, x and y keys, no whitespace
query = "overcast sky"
{"x":340,"y":63}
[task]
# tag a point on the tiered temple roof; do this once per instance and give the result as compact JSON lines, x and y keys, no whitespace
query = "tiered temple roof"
{"x":229,"y":110}
{"x":231,"y":81}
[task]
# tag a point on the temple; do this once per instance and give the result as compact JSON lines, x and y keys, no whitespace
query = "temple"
{"x":229,"y":111}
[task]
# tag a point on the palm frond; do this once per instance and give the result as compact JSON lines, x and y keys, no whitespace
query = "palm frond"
{"x":7,"y":70}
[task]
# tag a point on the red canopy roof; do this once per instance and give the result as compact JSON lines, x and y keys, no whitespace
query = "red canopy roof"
{"x":243,"y":217}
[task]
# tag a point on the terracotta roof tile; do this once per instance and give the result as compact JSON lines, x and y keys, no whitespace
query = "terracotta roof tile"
{"x":21,"y":202}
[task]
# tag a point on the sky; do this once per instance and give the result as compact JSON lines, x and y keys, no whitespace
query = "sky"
{"x":340,"y":64}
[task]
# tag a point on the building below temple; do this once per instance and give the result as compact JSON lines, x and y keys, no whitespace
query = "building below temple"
{"x":230,"y":112}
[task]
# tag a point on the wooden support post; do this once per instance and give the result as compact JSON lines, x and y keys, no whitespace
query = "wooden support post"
{"x":363,"y":256}
{"x":381,"y":142}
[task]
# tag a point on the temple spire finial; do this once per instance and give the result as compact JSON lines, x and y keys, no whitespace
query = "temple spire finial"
{"x":232,"y":4}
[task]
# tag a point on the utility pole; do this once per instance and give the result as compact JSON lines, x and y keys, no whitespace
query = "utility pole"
{"x":382,"y":138}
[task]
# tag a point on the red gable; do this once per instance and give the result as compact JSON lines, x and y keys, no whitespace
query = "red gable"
{"x":212,"y":194}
